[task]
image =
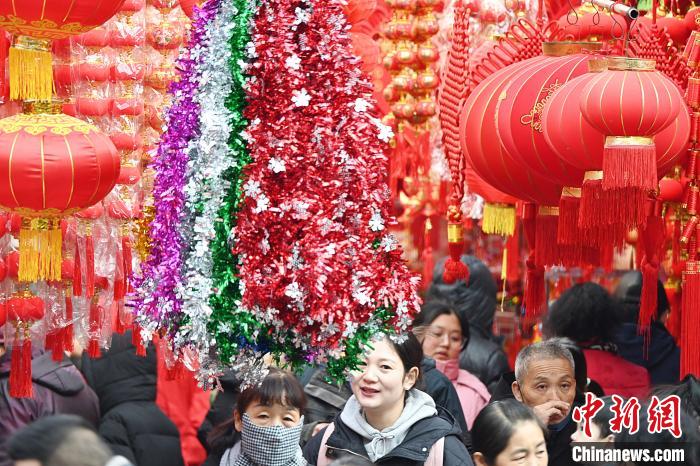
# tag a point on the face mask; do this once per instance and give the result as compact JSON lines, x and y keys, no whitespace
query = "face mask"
{"x":450,"y":368}
{"x":270,"y":446}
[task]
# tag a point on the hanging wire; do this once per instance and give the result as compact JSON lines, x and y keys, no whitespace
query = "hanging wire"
{"x":596,"y":15}
{"x":616,"y":24}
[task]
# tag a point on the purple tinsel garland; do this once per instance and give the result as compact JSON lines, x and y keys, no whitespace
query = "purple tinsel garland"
{"x":156,"y":299}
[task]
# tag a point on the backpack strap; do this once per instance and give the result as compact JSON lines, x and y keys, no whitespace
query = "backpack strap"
{"x":437,"y":453}
{"x":323,"y":460}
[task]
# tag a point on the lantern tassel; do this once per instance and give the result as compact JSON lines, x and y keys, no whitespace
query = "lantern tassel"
{"x":690,"y":326}
{"x":21,"y":366}
{"x":77,"y":272}
{"x":629,"y":162}
{"x":568,"y":231}
{"x":31,"y":73}
{"x":128,"y":261}
{"x":95,"y":328}
{"x":89,"y":266}
{"x":547,"y":251}
{"x":652,"y":238}
{"x":68,"y":329}
{"x":455,"y":269}
{"x":40,"y":254}
{"x":137,"y":341}
{"x":534,"y":296}
{"x":611,"y":211}
{"x":675,"y":318}
{"x":499,"y":219}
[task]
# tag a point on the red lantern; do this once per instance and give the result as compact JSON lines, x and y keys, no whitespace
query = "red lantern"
{"x":54,"y":165}
{"x":519,"y":111}
{"x":484,"y":150}
{"x":630,"y":102}
{"x":34,"y":23}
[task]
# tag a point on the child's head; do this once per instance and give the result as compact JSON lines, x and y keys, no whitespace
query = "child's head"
{"x":390,"y":370}
{"x":600,"y":426}
{"x":508,"y":433}
{"x":278,"y":401}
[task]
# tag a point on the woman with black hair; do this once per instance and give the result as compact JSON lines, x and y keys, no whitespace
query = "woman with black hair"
{"x":387,"y":420}
{"x":508,"y":433}
{"x":443,"y":335}
{"x":588,"y":315}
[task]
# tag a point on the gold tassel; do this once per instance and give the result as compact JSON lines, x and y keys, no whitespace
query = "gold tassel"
{"x":499,"y":219}
{"x":40,"y":257}
{"x":31,"y":73}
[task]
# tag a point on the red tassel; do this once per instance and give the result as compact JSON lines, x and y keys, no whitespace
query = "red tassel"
{"x":629,"y":165}
{"x":690,"y":327}
{"x":77,"y":272}
{"x":568,"y":231}
{"x":546,"y":248}
{"x":675,"y":317}
{"x":428,"y":266}
{"x":128,"y":261}
{"x":177,"y":372}
{"x":56,"y":345}
{"x":652,"y":237}
{"x":119,"y":282}
{"x":534,"y":296}
{"x":613,"y":210}
{"x":137,"y":341}
{"x":513,"y":265}
{"x":68,"y":329}
{"x":95,"y":330}
{"x":455,"y":269}
{"x":21,"y":368}
{"x":89,"y":266}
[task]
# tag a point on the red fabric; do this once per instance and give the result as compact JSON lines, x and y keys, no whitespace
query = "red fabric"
{"x":186,"y":405}
{"x":616,"y":375}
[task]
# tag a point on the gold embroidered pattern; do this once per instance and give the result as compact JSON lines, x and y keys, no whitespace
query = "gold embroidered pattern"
{"x":42,"y":29}
{"x":60,"y":125}
{"x":534,"y":118}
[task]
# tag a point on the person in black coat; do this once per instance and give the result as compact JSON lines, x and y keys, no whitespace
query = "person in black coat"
{"x":662,"y":357}
{"x":221,"y":409}
{"x":476,"y":301}
{"x":132,"y":424}
{"x":326,"y":400}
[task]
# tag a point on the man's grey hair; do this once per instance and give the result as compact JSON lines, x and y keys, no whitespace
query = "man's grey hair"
{"x":553,"y":348}
{"x":81,"y":447}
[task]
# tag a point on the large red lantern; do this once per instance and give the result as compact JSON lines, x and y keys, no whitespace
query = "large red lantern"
{"x":482,"y":146}
{"x":54,"y":165}
{"x":519,"y":110}
{"x":35,"y":23}
{"x":630,"y":102}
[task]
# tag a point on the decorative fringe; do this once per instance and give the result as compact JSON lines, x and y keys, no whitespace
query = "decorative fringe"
{"x":68,"y":329}
{"x":128,"y":261}
{"x":31,"y":74}
{"x":455,"y":269}
{"x":568,"y":231}
{"x":89,"y":266}
{"x":40,"y":243}
{"x":119,"y":279}
{"x":652,"y":237}
{"x":690,"y":326}
{"x":137,"y":341}
{"x":513,"y":252}
{"x":21,"y":367}
{"x":547,"y":251}
{"x":611,"y":211}
{"x":499,"y":219}
{"x":77,"y":272}
{"x":95,"y":327}
{"x":629,"y":162}
{"x":675,"y":317}
{"x":534,"y":296}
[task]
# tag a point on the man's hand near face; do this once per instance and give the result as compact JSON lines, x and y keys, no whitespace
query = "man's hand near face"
{"x":552,"y":412}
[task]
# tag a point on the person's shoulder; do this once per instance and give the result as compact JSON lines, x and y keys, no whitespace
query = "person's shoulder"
{"x":456,"y":453}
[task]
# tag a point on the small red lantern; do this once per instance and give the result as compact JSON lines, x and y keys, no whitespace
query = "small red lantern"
{"x":34,"y":23}
{"x":55,"y":165}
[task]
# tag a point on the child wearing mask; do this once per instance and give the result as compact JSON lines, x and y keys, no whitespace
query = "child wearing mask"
{"x":443,"y":336}
{"x":387,"y":420}
{"x":267,"y":421}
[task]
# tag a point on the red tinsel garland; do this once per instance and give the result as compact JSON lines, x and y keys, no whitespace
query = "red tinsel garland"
{"x":312,"y":231}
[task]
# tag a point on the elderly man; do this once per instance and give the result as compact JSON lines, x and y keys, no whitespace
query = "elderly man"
{"x":544,"y":381}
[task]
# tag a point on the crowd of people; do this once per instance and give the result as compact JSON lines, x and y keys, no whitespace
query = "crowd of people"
{"x":442,"y":395}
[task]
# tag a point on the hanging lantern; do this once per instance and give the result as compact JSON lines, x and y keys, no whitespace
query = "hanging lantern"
{"x":55,"y":165}
{"x":35,"y":23}
{"x":630,"y":102}
{"x":23,"y":310}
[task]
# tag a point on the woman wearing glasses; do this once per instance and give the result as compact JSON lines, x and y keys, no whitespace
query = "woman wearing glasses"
{"x":443,"y":336}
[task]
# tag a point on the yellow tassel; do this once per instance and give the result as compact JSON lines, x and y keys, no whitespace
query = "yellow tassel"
{"x":40,"y":255}
{"x":499,"y":219}
{"x":31,"y":73}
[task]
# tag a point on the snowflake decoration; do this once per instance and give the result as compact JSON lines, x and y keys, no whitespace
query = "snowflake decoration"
{"x":361,"y":105}
{"x":262,"y":205}
{"x":385,"y":132}
{"x":302,"y":98}
{"x":252,"y":188}
{"x":302,"y":15}
{"x":294,"y":292}
{"x":376,"y":223}
{"x":277,"y":165}
{"x":293,"y":62}
{"x":389,"y":243}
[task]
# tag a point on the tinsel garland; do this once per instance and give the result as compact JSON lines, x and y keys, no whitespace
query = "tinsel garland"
{"x":209,"y":159}
{"x":317,"y":263}
{"x":156,"y":301}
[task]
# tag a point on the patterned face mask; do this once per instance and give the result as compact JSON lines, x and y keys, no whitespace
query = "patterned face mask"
{"x":271,"y":446}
